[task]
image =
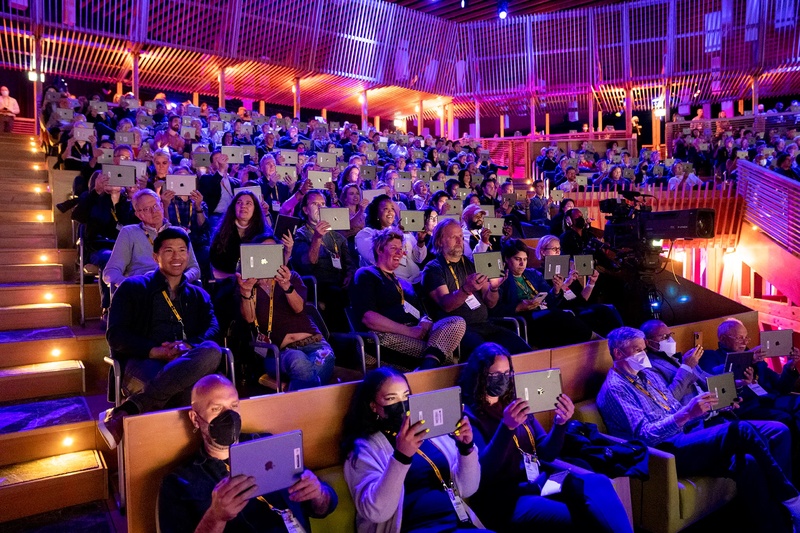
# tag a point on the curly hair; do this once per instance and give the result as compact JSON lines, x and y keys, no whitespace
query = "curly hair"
{"x":372,"y":214}
{"x":473,"y":377}
{"x":227,"y":227}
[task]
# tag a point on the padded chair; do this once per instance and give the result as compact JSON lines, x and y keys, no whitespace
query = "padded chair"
{"x":344,"y":346}
{"x":117,"y":395}
{"x":311,"y":289}
{"x":84,"y":268}
{"x":666,"y":503}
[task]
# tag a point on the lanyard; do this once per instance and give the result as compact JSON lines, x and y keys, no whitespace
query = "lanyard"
{"x":271,"y":308}
{"x":529,"y":290}
{"x":335,"y":246}
{"x":174,"y":312}
{"x":433,"y":465}
{"x":227,"y":188}
{"x":453,"y":272}
{"x":282,"y":512}
{"x":530,"y":437}
{"x":397,"y":286}
{"x":114,"y":214}
{"x":178,"y":213}
{"x":636,"y":384}
{"x":146,"y":234}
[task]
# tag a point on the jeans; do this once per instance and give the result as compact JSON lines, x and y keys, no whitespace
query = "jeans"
{"x":100,"y":259}
{"x":477,"y":334}
{"x":154,"y":382}
{"x":7,"y":123}
{"x":757,"y":455}
{"x":307,"y":366}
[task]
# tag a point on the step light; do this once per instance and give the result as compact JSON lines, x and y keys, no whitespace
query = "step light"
{"x":55,"y":352}
{"x":40,"y":217}
{"x":43,"y":258}
{"x":37,"y":189}
{"x":48,"y":296}
{"x":68,"y":441}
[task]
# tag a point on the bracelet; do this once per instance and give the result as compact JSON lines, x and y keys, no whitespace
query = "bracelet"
{"x":252,"y":294}
{"x":290,"y":290}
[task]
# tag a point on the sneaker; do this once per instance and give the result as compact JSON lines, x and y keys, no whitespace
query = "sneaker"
{"x":110,"y":426}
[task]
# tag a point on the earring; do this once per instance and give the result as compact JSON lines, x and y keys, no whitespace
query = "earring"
{"x":195,"y":429}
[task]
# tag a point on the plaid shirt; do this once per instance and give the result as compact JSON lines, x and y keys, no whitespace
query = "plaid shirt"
{"x":179,"y":216}
{"x":630,"y":413}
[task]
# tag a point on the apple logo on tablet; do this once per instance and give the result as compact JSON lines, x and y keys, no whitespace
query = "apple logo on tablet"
{"x":268,"y":466}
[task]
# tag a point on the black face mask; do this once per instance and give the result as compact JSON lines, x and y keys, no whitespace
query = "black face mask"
{"x":497,"y":384}
{"x":225,"y":429}
{"x":579,"y":223}
{"x":394,"y":415}
{"x":474,"y":225}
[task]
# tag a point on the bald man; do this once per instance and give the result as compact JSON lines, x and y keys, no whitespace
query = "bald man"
{"x":201,"y":496}
{"x":671,"y":364}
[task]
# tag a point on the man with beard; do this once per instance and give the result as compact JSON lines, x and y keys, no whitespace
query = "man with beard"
{"x":477,"y":239}
{"x":200,"y":495}
{"x":453,"y":288}
{"x":171,"y":136}
{"x":577,"y":236}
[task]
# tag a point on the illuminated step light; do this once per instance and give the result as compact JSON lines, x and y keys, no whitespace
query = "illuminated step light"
{"x":40,"y":217}
{"x":43,"y":258}
{"x":755,"y":228}
{"x":37,"y":189}
{"x":48,"y":296}
{"x":55,"y":352}
{"x":35,"y":167}
{"x":68,"y":441}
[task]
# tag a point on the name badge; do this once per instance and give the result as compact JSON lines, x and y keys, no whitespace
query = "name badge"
{"x":569,"y":295}
{"x":472,"y":302}
{"x":411,"y":310}
{"x":458,"y":505}
{"x":758,"y":389}
{"x":553,"y":484}
{"x":337,"y":261}
{"x":291,"y":523}
{"x":276,"y":205}
{"x":531,"y":467}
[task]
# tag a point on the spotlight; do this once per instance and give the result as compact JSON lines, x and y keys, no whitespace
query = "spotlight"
{"x":464,"y":3}
{"x":502,"y":9}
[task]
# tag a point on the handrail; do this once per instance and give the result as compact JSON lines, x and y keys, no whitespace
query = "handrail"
{"x":772,"y":203}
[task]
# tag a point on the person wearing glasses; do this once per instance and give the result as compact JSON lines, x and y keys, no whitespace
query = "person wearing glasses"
{"x":399,"y":481}
{"x":637,"y":403}
{"x":516,"y":456}
{"x":671,"y":364}
{"x":133,"y":250}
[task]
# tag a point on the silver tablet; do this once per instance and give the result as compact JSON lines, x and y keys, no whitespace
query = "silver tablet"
{"x":319,"y":178}
{"x":337,"y":217}
{"x":182,"y":185}
{"x":275,"y":462}
{"x":724,"y":387}
{"x":326,"y":160}
{"x":402,"y":185}
{"x":440,"y":409}
{"x":120,"y":175}
{"x":584,"y":264}
{"x":413,"y":221}
{"x":776,"y":343}
{"x":490,"y":264}
{"x":540,"y":389}
{"x":261,"y":261}
{"x":235,"y":154}
{"x":495,"y":225}
{"x":556,"y":265}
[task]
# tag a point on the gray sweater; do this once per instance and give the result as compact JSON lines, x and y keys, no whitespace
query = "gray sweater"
{"x":376,"y":481}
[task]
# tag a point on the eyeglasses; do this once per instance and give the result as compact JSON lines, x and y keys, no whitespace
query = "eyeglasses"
{"x":493,"y":375}
{"x":739,"y":338}
{"x":664,"y":337}
{"x":155,"y":208}
{"x":555,"y":249}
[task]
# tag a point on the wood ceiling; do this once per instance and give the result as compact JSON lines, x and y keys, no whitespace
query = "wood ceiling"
{"x":476,"y":10}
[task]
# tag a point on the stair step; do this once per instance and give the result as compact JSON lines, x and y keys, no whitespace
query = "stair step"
{"x":43,"y":442}
{"x":31,"y":273}
{"x":44,"y":255}
{"x":54,"y":378}
{"x":43,"y":292}
{"x":10,"y":214}
{"x":27,"y":228}
{"x":30,"y":242}
{"x":40,"y":315}
{"x":24,"y":170}
{"x":27,"y":198}
{"x":41,"y":485}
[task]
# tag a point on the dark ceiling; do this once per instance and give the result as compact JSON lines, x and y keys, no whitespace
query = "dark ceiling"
{"x":487,"y":9}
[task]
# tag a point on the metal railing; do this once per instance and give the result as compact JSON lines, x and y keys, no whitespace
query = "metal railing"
{"x":772,"y":202}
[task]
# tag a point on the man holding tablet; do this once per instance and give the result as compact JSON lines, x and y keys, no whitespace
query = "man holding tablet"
{"x":201,"y":495}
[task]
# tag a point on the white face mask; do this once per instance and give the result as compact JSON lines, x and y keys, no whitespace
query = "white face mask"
{"x":668,"y":346}
{"x":763,"y":162}
{"x":4,"y":93}
{"x":639,"y":361}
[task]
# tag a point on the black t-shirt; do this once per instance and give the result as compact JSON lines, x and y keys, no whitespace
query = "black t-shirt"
{"x":437,"y":273}
{"x":374,"y":290}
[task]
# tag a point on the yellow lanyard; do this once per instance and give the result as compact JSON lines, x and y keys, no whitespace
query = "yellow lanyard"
{"x":397,"y":286}
{"x":174,"y":312}
{"x":636,"y":384}
{"x":226,"y":187}
{"x":433,"y":465}
{"x":453,"y":272}
{"x":271,"y":308}
{"x":114,"y":214}
{"x":146,"y":234}
{"x":530,"y":437}
{"x":335,"y":246}
{"x":529,"y":289}
{"x":178,"y":213}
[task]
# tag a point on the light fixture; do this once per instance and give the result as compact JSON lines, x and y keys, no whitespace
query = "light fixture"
{"x":360,"y":98}
{"x":502,"y":9}
{"x":40,"y":217}
{"x":32,"y":76}
{"x":67,"y":441}
{"x":618,"y":114}
{"x":43,"y":258}
{"x":37,"y":189}
{"x":55,"y":352}
{"x":48,"y":296}
{"x":464,"y":4}
{"x":35,"y":167}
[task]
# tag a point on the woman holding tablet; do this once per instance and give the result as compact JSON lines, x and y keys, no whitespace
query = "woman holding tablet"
{"x":513,"y":446}
{"x":526,"y":293}
{"x":399,"y":481}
